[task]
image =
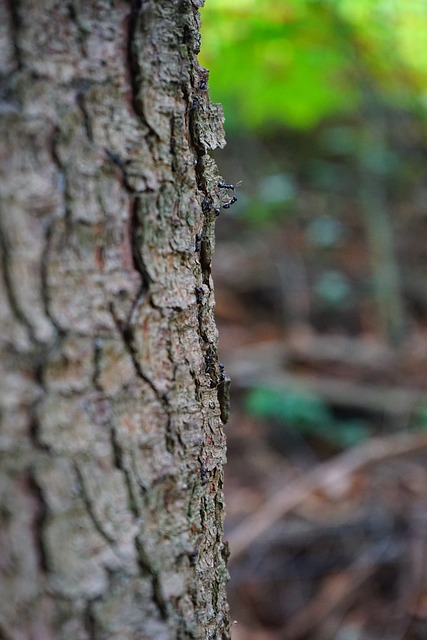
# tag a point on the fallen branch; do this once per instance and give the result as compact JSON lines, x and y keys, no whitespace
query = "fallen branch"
{"x":336,"y":593}
{"x":323,"y":476}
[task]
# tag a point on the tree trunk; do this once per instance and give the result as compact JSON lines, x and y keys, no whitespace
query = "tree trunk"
{"x":112,"y":397}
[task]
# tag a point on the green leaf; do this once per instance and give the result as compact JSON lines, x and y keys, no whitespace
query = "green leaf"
{"x":297,"y":62}
{"x":307,"y":413}
{"x":299,"y":408}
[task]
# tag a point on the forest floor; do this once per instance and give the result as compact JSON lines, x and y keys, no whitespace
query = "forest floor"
{"x":326,"y":480}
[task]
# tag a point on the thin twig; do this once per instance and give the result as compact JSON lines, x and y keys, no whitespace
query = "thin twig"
{"x":323,"y":476}
{"x":335,"y":593}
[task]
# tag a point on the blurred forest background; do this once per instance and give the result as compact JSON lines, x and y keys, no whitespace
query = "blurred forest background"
{"x":321,"y":288}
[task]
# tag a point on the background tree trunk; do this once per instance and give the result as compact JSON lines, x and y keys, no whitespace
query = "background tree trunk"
{"x":112,"y":395}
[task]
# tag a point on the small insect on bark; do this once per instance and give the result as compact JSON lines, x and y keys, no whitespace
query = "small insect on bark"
{"x":229,"y":187}
{"x":199,"y":295}
{"x":208,"y":364}
{"x":206,"y":204}
{"x":197,"y":242}
{"x":193,"y":557}
{"x":203,"y":474}
{"x":228,"y":204}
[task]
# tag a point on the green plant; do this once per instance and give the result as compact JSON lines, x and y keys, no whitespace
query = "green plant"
{"x":305,"y":412}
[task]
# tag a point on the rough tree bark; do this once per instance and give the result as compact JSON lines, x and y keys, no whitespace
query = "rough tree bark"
{"x":112,"y":397}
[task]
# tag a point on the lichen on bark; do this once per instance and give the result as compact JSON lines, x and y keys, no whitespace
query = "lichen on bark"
{"x":111,"y":441}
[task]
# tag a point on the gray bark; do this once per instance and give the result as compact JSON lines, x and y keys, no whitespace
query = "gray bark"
{"x":111,"y":440}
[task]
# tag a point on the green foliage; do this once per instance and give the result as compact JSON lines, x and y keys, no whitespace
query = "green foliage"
{"x":421,"y":415}
{"x":306,"y":413}
{"x":297,"y":62}
{"x":274,"y":196}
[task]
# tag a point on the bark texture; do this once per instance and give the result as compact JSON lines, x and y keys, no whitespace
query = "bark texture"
{"x":111,"y":440}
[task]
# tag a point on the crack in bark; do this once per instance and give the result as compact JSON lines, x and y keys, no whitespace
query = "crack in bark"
{"x":133,"y":66}
{"x":75,"y":19}
{"x":15,"y":23}
{"x":44,"y":290}
{"x":6,"y":261}
{"x":90,"y":622}
{"x":138,"y":260}
{"x":81,"y":101}
{"x":134,"y":69}
{"x":146,"y":565}
{"x":91,"y":511}
{"x":126,"y":332}
{"x":169,"y":437}
{"x":97,"y":358}
{"x":62,"y":173}
{"x":39,"y":522}
{"x":118,"y":460}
